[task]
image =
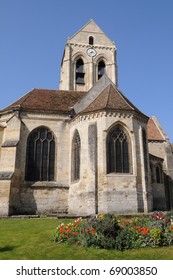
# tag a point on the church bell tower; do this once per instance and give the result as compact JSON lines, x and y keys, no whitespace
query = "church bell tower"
{"x":88,"y":54}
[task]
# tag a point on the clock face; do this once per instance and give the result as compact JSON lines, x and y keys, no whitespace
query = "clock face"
{"x":91,"y":52}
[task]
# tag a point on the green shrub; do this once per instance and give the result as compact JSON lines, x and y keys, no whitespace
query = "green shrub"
{"x":156,"y":235}
{"x":104,"y":231}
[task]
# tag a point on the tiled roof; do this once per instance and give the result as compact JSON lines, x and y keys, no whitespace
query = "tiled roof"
{"x":103,"y":96}
{"x":50,"y":100}
{"x":111,"y":98}
{"x":153,"y":131}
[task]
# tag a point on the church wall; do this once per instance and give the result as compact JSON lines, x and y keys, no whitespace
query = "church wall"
{"x":116,"y":192}
{"x":162,"y":150}
{"x":163,"y":192}
{"x":5,"y":186}
{"x":9,"y":146}
{"x":1,"y":139}
{"x":77,"y":47}
{"x":97,"y":191}
{"x":157,"y":148}
{"x":59,"y":127}
{"x":159,"y":199}
{"x":11,"y":137}
{"x":30,"y":197}
{"x":144,"y":192}
{"x":72,"y":53}
{"x":42,"y":199}
{"x":82,"y":191}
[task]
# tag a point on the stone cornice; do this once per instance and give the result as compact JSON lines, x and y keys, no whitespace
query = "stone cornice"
{"x":107,"y":113}
{"x":99,"y":114}
{"x":95,"y":46}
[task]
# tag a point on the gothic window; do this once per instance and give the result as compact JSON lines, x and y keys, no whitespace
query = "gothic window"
{"x":40,"y":158}
{"x":91,"y":40}
{"x":101,"y":69}
{"x":118,"y":151}
{"x":159,"y":174}
{"x":80,"y":71}
{"x":76,"y":147}
{"x":145,"y":150}
{"x":152,"y":172}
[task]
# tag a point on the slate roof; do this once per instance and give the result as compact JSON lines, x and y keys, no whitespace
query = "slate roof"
{"x":153,"y":131}
{"x":47,"y":100}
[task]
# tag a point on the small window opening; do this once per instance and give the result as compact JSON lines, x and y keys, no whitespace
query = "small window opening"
{"x":158,"y":174}
{"x":91,"y":40}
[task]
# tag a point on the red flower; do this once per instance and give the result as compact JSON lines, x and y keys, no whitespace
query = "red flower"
{"x":143,"y":230}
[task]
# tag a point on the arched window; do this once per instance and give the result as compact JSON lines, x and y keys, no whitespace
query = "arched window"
{"x":101,"y":69}
{"x":145,"y":151}
{"x":152,"y":172}
{"x":76,"y":147}
{"x":80,"y":71}
{"x":159,"y":174}
{"x":40,"y":158}
{"x":118,"y":151}
{"x":91,"y":40}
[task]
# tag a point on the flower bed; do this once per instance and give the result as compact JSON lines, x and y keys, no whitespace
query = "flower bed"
{"x":110,"y":232}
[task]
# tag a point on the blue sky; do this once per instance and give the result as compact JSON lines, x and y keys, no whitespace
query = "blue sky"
{"x":33,"y":34}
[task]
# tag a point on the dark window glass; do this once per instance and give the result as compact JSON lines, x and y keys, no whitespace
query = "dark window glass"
{"x":80,"y":72}
{"x":117,"y":151}
{"x":91,"y":40}
{"x":101,"y":69}
{"x":76,"y":147}
{"x":152,"y":172}
{"x":158,"y":174}
{"x":40,"y":158}
{"x":144,"y":137}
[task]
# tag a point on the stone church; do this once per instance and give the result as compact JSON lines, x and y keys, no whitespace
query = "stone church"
{"x":85,"y":148}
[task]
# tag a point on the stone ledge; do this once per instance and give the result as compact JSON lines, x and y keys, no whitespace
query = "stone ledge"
{"x":44,"y":184}
{"x":10,"y":143}
{"x":6,"y":175}
{"x":19,"y":216}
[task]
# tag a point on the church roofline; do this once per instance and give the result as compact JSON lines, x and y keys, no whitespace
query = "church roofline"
{"x":92,"y":32}
{"x":102,"y":91}
{"x":45,"y":99}
{"x":156,"y":131}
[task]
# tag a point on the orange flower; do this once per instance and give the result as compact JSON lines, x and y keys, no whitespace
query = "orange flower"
{"x":171,"y":228}
{"x":74,"y":233}
{"x":143,"y":230}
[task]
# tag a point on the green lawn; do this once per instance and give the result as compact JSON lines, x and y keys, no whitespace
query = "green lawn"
{"x":31,"y":239}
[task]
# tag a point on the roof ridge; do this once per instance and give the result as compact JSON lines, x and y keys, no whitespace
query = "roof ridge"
{"x":108,"y":95}
{"x":125,"y":98}
{"x":159,"y":127}
{"x":27,"y":95}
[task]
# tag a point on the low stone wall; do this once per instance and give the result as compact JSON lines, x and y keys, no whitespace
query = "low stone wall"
{"x":42,"y":199}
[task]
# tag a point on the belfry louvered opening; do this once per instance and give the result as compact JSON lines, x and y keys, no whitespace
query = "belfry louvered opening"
{"x":80,"y":71}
